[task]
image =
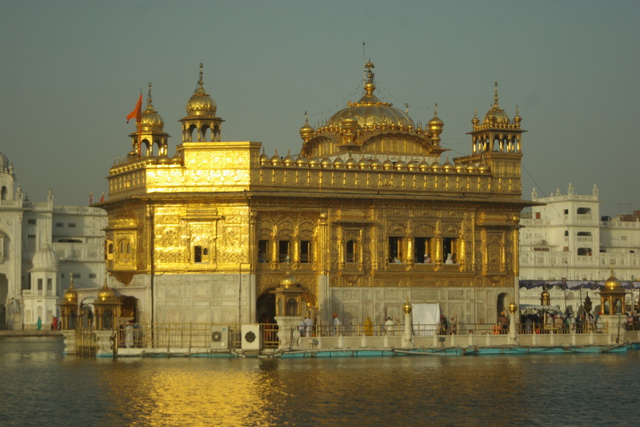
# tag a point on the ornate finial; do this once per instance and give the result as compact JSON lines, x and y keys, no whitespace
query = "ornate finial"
{"x":406,"y":108}
{"x":495,"y":93}
{"x":71,"y":280}
{"x":435,"y":109}
{"x":201,"y":73}
{"x":369,"y":85}
{"x":306,"y":118}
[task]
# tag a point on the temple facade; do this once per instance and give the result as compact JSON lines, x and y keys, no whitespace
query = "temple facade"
{"x":365,"y":218}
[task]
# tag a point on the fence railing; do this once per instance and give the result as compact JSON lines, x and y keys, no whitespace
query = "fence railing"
{"x":206,"y":337}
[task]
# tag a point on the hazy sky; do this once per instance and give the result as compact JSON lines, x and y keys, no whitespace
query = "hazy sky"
{"x":72,"y":70}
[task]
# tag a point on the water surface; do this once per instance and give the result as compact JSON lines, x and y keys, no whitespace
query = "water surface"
{"x":40,"y":386}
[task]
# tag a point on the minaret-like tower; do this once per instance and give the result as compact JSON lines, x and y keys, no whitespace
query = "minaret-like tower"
{"x":201,"y":117}
{"x":496,"y":133}
{"x":151,"y":132}
{"x":497,"y":145}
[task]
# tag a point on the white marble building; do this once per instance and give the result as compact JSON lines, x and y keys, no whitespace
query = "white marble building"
{"x":41,"y":246}
{"x":568,"y":245}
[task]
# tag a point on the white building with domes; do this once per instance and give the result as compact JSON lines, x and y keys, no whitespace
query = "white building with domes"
{"x":566,"y":244}
{"x":41,"y":246}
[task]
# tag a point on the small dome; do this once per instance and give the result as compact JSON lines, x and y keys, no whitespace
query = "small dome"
{"x":375,"y":164}
{"x":472,"y":168}
{"x":351,"y":163}
{"x":424,"y":166}
{"x":435,"y":125}
{"x":413,"y":165}
{"x":448,"y":167}
{"x":461,"y":168}
{"x":401,"y":165}
{"x":105,"y":294}
{"x":496,"y":115}
{"x":435,"y":166}
{"x":387,"y":165}
{"x":306,"y":131}
{"x":70,"y":295}
{"x":201,"y":104}
{"x":364,"y":164}
{"x":302,"y":161}
{"x":264,"y":160}
{"x":276,"y":160}
{"x":314,"y":162}
{"x":338,"y":163}
{"x":612,"y":283}
{"x":150,"y":120}
{"x":483,"y":168}
{"x":46,"y":258}
{"x":517,"y":119}
{"x":289,"y":161}
{"x":326,"y":163}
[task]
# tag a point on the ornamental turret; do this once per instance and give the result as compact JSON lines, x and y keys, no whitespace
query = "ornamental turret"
{"x":152,"y":133}
{"x":201,"y":123}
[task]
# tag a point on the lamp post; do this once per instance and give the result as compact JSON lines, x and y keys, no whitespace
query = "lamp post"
{"x":545,"y":301}
{"x":513,"y":333}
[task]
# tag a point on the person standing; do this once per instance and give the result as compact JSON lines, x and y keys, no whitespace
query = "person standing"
{"x":309,"y":325}
{"x":336,"y":324}
{"x":388,"y":326}
{"x":39,"y":323}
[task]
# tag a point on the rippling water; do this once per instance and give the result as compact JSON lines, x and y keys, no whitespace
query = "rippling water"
{"x":40,"y":386}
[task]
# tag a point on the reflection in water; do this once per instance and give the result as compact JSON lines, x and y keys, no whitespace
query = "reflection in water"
{"x":492,"y":390}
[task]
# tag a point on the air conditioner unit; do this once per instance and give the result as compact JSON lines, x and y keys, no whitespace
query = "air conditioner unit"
{"x":219,"y":337}
{"x":251,"y":337}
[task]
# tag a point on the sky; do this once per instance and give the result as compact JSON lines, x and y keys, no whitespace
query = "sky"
{"x":72,"y":70}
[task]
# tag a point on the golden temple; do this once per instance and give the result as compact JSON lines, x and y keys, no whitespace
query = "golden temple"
{"x":365,"y":218}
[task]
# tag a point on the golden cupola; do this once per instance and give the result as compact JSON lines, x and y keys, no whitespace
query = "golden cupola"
{"x":372,"y":128}
{"x":150,"y":120}
{"x":612,"y":283}
{"x":105,"y":293}
{"x":306,"y":131}
{"x":201,"y":117}
{"x":369,"y":111}
{"x":152,"y":133}
{"x":70,"y":295}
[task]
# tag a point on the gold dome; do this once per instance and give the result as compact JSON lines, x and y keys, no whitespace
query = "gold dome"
{"x":496,"y":115}
{"x":150,"y":120}
{"x":435,"y":125}
{"x":364,"y":164}
{"x":370,"y":112}
{"x":71,"y":295}
{"x":264,"y":159}
{"x":302,"y":161}
{"x":105,"y":293}
{"x":612,"y":283}
{"x":276,"y":160}
{"x":289,"y":161}
{"x":306,"y":131}
{"x":201,"y":104}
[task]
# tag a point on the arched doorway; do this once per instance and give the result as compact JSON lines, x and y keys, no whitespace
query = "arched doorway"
{"x":129,"y":309}
{"x":266,"y":306}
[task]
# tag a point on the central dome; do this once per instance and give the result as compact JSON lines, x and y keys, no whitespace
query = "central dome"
{"x":370,"y":111}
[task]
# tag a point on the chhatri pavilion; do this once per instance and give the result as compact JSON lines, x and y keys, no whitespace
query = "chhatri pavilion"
{"x":365,"y":218}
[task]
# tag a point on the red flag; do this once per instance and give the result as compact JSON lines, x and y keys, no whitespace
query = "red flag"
{"x":102,"y":198}
{"x":137,"y":112}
